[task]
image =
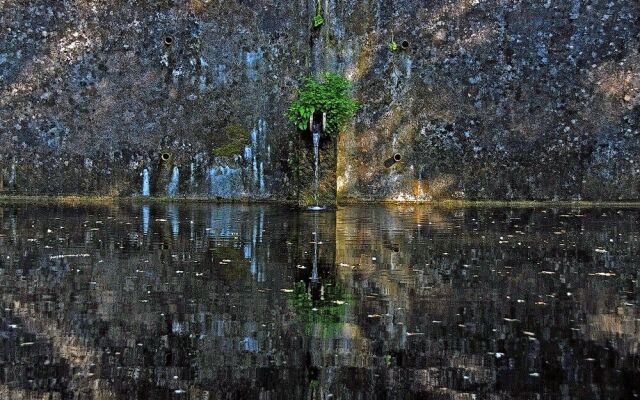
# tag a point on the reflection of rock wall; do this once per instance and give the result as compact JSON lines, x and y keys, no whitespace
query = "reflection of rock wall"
{"x":525,"y":290}
{"x":491,"y":99}
{"x":160,"y":292}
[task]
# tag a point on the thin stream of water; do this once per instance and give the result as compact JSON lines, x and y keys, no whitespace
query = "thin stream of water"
{"x":316,"y":163}
{"x":146,"y":190}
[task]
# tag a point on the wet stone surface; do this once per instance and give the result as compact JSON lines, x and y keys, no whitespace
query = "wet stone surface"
{"x":260,"y":302}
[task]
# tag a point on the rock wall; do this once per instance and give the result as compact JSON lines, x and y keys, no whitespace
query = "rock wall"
{"x":95,"y":92}
{"x":495,"y":99}
{"x":499,"y":99}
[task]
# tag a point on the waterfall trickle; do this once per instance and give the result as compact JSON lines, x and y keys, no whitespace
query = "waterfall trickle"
{"x":256,"y":155}
{"x":172,"y":187}
{"x":12,"y":175}
{"x":225,"y":182}
{"x":316,"y":167}
{"x":192,"y":178}
{"x":146,"y":191}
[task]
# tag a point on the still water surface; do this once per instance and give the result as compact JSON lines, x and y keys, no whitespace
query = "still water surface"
{"x":263,"y":302}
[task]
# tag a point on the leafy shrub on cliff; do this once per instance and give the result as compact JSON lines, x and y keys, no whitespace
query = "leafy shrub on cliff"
{"x":331,"y":95}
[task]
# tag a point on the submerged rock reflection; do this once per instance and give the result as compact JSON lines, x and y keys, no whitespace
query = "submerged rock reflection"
{"x":232,"y":301}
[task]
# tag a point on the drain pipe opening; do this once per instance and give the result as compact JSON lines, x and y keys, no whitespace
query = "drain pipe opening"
{"x":168,"y":41}
{"x":389,"y":162}
{"x":165,"y":156}
{"x":405,"y":44}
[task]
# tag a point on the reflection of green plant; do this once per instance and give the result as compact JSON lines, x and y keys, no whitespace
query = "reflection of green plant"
{"x":318,"y":20}
{"x":326,"y":314}
{"x":331,"y":96}
{"x":387,"y":360}
{"x":235,"y":138}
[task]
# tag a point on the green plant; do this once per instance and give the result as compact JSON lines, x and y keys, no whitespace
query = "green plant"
{"x":318,"y":20}
{"x":393,"y":46}
{"x":331,"y":95}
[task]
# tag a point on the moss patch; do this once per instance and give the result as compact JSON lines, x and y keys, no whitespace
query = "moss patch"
{"x":235,"y":138}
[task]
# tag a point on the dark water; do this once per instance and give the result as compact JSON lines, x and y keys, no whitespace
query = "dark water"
{"x":261,"y":302}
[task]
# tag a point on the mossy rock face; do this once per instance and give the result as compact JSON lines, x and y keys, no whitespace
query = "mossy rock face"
{"x":234,"y":137}
{"x":228,"y":150}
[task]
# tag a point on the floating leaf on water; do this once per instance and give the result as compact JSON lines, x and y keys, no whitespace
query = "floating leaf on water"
{"x":68,"y":256}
